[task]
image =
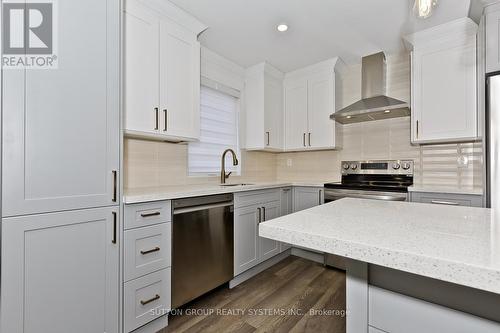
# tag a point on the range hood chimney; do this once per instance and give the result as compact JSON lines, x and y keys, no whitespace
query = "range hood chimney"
{"x":374,"y":105}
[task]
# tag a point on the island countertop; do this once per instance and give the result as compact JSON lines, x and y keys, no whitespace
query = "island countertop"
{"x":455,"y":244}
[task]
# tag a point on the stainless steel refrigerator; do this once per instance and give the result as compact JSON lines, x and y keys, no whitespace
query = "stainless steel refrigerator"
{"x":492,"y":142}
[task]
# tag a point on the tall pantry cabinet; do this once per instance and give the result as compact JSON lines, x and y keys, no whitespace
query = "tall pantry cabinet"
{"x":60,"y":180}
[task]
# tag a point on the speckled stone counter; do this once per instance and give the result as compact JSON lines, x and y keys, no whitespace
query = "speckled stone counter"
{"x":460,"y":245}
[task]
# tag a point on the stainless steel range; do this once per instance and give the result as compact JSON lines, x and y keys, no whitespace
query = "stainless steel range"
{"x":379,"y":180}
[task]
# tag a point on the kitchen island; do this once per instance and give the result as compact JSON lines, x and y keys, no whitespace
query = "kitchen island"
{"x":410,"y":266}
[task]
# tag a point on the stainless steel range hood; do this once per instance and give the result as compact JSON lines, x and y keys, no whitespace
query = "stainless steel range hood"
{"x":374,"y":105}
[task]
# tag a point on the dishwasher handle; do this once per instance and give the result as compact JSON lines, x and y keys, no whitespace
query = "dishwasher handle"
{"x":202,"y":207}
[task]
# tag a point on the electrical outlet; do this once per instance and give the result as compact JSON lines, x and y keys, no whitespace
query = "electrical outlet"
{"x":289,"y":162}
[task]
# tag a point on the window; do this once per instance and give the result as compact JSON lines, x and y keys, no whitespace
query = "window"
{"x":219,"y":131}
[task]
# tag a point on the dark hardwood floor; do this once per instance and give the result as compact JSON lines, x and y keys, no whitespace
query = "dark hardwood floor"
{"x":296,"y":295}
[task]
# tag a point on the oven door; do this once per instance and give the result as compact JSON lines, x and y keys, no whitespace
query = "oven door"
{"x":333,"y":195}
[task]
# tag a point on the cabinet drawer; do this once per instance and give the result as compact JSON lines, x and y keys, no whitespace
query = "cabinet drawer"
{"x":146,"y":299}
{"x":393,"y":312}
{"x":448,"y":199}
{"x":140,"y":215}
{"x":256,"y":197}
{"x":147,"y":250}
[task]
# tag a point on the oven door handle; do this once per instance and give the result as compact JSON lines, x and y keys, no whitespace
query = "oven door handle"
{"x":365,"y":196}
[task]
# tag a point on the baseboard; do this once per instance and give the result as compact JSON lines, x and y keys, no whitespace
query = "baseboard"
{"x":257,"y":269}
{"x":318,"y":257}
{"x":153,"y":327}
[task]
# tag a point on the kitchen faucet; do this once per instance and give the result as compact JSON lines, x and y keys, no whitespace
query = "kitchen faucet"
{"x":223,"y":175}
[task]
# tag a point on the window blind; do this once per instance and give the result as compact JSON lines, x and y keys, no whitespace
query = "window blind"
{"x":218,"y":132}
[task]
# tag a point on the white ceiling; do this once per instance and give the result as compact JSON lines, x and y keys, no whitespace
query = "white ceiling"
{"x":244,"y":31}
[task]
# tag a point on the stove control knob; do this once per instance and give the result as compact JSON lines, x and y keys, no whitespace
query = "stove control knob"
{"x":396,"y":166}
{"x":354,"y":166}
{"x":406,"y":166}
{"x":346,"y":166}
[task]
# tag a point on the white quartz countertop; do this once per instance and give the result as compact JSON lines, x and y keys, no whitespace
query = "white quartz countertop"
{"x":149,"y":194}
{"x":470,"y":190}
{"x":455,"y":244}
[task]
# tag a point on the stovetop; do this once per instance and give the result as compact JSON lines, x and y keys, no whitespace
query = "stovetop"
{"x":386,"y":176}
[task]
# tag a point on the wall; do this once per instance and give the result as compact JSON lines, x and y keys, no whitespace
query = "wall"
{"x":158,"y":164}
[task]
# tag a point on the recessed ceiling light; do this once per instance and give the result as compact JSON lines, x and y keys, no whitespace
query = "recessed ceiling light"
{"x":349,"y":117}
{"x":387,"y":111}
{"x":282,"y":27}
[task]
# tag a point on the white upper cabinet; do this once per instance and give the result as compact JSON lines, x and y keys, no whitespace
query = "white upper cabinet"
{"x":162,"y":72}
{"x":61,"y":133}
{"x":296,"y":126}
{"x":492,"y":20}
{"x":310,"y":98}
{"x":264,"y":108}
{"x":444,"y":83}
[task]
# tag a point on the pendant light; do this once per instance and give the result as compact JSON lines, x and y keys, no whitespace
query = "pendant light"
{"x":424,"y":8}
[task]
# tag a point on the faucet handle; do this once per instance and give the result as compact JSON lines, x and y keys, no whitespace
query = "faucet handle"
{"x":228,"y":174}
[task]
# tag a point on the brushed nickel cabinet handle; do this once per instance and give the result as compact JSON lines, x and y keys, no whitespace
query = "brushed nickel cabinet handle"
{"x":418,"y":129}
{"x":165,"y":113}
{"x":260,"y":214}
{"x":264,"y":213}
{"x":114,"y":227}
{"x":115,"y":178}
{"x":157,"y":297}
{"x":304,"y":139}
{"x":157,"y":119}
{"x":309,"y":139}
{"x":268,"y":138}
{"x":320,"y":197}
{"x":150,"y":214}
{"x":156,"y":249}
{"x":448,"y":203}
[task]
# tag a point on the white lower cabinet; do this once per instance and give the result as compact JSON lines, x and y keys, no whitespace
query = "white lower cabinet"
{"x":286,"y":208}
{"x":307,"y":197}
{"x":60,"y":272}
{"x":146,"y":299}
{"x":147,"y":262}
{"x":251,"y":209}
{"x":268,"y":248}
{"x":392,"y":312}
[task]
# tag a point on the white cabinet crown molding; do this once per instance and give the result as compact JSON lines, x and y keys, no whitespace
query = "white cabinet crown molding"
{"x":176,"y":14}
{"x":461,"y":28}
{"x":337,"y":64}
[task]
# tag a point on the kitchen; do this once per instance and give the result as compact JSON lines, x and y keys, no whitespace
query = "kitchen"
{"x":290,"y":167}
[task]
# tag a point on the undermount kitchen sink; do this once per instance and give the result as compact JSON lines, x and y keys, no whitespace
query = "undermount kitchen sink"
{"x":242,"y":184}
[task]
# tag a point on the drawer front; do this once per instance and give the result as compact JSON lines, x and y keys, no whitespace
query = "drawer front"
{"x":245,"y":199}
{"x":147,"y":250}
{"x":141,"y":215}
{"x":448,"y":199}
{"x":146,"y":299}
{"x":393,"y":312}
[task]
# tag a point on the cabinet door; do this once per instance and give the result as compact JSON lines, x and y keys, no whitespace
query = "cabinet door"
{"x":493,"y":42}
{"x":61,"y":127}
{"x":444,"y":98}
{"x":321,"y":104}
{"x":273,"y":113}
{"x":142,"y":80}
{"x":306,"y":197}
{"x":286,"y":208}
{"x":179,"y":81}
{"x":246,"y":251}
{"x":268,"y":248}
{"x":60,"y":272}
{"x":296,"y":114}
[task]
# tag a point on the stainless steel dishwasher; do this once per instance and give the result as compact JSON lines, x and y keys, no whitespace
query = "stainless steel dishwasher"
{"x":202,"y":246}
